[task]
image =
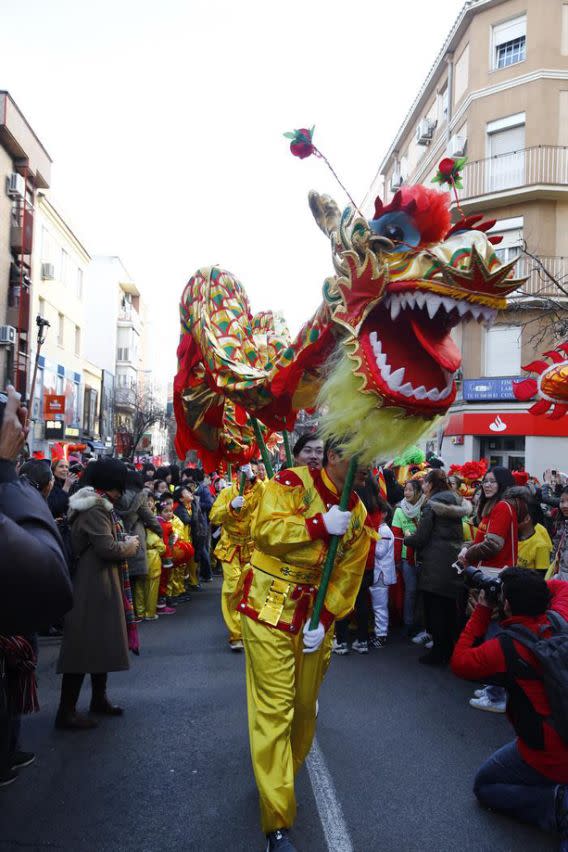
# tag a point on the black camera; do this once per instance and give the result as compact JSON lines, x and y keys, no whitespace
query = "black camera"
{"x":474,"y":578}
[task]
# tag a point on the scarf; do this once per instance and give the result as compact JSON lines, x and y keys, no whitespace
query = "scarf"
{"x":412,"y":510}
{"x":17,"y":665}
{"x":118,"y":530}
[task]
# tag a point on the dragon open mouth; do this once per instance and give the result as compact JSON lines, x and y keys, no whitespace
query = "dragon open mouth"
{"x":408,"y":349}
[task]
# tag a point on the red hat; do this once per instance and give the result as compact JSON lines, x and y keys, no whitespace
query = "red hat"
{"x":521,"y":477}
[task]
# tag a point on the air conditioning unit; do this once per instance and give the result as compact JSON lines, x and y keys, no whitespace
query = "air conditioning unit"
{"x":7,"y":335}
{"x":15,"y":185}
{"x":425,"y":132}
{"x":47,"y":271}
{"x":396,"y":181}
{"x":456,"y":146}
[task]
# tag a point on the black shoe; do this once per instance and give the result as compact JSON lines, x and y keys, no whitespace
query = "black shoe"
{"x":22,"y":758}
{"x":8,"y":778}
{"x":278,"y":841}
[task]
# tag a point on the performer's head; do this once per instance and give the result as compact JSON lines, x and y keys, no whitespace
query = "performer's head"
{"x":336,"y":465}
{"x":308,"y":450}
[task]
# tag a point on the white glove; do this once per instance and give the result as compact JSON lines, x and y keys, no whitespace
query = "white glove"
{"x":247,"y":470}
{"x":238,"y":502}
{"x":336,"y":521}
{"x":313,"y":638}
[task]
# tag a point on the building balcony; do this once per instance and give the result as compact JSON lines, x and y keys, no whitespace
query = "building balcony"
{"x":537,"y":172}
{"x":541,"y":279}
{"x":125,"y":398}
{"x":129,"y":317}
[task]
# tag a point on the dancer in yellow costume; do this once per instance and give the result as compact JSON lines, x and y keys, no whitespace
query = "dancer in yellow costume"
{"x":285,"y":660}
{"x":235,"y":514}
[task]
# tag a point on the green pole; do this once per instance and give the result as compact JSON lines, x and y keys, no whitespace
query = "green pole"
{"x":289,"y":459}
{"x":230,"y":472}
{"x":333,"y":545}
{"x":262,"y":447}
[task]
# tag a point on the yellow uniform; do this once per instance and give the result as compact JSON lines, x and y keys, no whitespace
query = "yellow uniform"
{"x":535,"y":552}
{"x":176,"y":583}
{"x":146,"y":593}
{"x":235,"y":546}
{"x":279,"y":592}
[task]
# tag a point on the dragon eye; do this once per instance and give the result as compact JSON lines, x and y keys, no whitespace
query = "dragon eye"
{"x":397,"y":227}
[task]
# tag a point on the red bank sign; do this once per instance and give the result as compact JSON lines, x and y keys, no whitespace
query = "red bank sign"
{"x":506,"y":423}
{"x":53,"y":404}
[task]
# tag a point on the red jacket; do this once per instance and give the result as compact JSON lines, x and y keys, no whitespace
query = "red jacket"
{"x":488,"y":661}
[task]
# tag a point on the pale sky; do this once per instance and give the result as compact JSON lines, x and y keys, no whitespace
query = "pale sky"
{"x":165,"y":119}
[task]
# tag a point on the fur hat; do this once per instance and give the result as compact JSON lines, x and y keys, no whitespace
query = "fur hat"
{"x":106,"y":475}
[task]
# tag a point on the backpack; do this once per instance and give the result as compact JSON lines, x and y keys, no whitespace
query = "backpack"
{"x":552,"y":654}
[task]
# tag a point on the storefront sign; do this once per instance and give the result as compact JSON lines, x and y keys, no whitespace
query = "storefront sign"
{"x":71,"y":432}
{"x":54,"y":429}
{"x":505,"y":423}
{"x":500,"y":387}
{"x":53,"y":404}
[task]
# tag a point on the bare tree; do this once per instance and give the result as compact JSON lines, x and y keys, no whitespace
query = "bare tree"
{"x":542,"y":304}
{"x":135,"y":416}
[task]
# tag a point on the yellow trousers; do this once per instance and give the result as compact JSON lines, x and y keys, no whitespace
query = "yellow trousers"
{"x":146,"y":594}
{"x":192,"y":572}
{"x":282,"y":688}
{"x":176,"y":583}
{"x":229,"y":600}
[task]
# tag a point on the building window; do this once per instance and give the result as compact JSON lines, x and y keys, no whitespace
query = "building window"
{"x":510,"y":43}
{"x":512,"y":232}
{"x":79,"y":283}
{"x":41,"y":307}
{"x":89,"y":410}
{"x":442,"y":105}
{"x":77,"y":340}
{"x":505,"y":150}
{"x":60,"y":329}
{"x":503,"y":350}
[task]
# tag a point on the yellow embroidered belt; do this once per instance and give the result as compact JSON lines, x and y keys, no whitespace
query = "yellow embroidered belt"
{"x":282,"y":570}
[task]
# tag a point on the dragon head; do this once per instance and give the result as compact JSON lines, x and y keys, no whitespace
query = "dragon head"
{"x":403,"y":281}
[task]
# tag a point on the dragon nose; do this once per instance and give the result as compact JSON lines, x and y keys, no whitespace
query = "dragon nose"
{"x":380,"y":242}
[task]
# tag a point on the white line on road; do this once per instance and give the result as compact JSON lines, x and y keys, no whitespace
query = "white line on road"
{"x":329,"y":809}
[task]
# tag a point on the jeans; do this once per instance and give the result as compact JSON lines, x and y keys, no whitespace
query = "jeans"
{"x":410,"y":576}
{"x":507,"y":784}
{"x":203,"y":560}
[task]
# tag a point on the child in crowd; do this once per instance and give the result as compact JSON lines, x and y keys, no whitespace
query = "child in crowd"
{"x":165,"y":506}
{"x":405,"y":520}
{"x":182,"y":551}
{"x":384,"y":575}
{"x":155,"y":547}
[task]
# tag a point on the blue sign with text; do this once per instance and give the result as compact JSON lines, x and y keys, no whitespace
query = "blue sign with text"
{"x":500,"y":387}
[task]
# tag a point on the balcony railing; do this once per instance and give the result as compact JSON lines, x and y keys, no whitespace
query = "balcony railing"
{"x":540,"y":165}
{"x":541,"y":279}
{"x":130,"y":315}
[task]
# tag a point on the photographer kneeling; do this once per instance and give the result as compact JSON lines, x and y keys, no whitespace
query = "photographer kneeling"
{"x":528,"y":778}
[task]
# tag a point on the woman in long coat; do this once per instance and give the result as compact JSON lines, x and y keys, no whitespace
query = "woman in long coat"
{"x":438,"y":540}
{"x":99,"y":629}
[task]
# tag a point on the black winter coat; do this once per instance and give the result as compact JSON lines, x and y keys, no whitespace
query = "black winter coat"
{"x":438,"y":540}
{"x":35,"y":588}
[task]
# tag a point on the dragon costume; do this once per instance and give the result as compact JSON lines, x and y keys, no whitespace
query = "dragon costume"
{"x":377,"y":356}
{"x":551,"y":385}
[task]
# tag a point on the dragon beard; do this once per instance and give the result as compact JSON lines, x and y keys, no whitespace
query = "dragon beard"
{"x":369,"y":428}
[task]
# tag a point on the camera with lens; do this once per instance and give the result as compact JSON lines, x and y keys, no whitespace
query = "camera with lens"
{"x":474,"y":578}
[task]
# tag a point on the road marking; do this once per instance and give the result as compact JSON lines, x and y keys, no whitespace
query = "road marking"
{"x":329,"y":809}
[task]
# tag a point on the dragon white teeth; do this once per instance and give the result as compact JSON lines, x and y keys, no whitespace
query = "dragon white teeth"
{"x":433,"y":394}
{"x":420,"y":299}
{"x":449,"y":304}
{"x":463,"y":308}
{"x":395,"y":308}
{"x":432,"y":304}
{"x":373,"y":338}
{"x":406,"y":389}
{"x":396,"y":378}
{"x":420,"y":393}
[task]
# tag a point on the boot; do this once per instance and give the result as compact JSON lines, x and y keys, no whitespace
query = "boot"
{"x":67,"y":718}
{"x":99,"y":701}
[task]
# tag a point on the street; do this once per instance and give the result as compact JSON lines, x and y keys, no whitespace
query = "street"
{"x":399,"y":740}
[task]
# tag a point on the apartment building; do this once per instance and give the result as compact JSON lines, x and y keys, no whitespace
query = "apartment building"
{"x":25,"y":168}
{"x":498,"y":93}
{"x":59,"y":261}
